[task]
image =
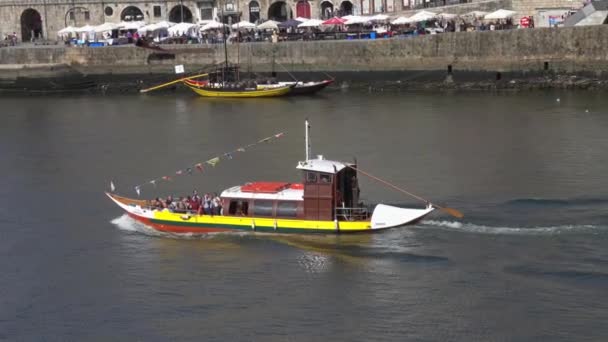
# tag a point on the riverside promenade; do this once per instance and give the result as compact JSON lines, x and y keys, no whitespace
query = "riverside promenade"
{"x":490,"y":56}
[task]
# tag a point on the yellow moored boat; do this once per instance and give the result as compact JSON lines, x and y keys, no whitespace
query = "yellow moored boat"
{"x":230,"y":90}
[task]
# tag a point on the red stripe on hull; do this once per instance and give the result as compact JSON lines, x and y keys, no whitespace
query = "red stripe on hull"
{"x":177,"y":229}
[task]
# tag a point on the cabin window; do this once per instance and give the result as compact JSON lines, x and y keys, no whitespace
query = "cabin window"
{"x":323,"y":178}
{"x":311,"y":177}
{"x":262,"y":208}
{"x":238,"y":208}
{"x":287,"y":209}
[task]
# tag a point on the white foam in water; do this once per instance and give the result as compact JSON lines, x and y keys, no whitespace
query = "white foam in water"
{"x":475,"y":228}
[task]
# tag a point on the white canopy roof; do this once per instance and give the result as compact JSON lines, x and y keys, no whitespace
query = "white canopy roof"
{"x":288,"y":194}
{"x":106,"y":27}
{"x":321,"y":165}
{"x":86,"y":28}
{"x":500,"y":14}
{"x":379,"y":17}
{"x":422,"y":16}
{"x":131,"y":25}
{"x":213,"y":25}
{"x":181,"y":28}
{"x":67,"y":30}
{"x":302,"y":19}
{"x":401,"y":21}
{"x":156,"y":26}
{"x":243,"y":24}
{"x":447,"y":15}
{"x":269,"y":25}
{"x":355,"y":19}
{"x":311,"y":23}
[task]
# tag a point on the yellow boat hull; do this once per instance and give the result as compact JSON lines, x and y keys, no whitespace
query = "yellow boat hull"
{"x":211,"y":92}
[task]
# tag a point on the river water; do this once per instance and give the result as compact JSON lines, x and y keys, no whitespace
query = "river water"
{"x":528,"y":262}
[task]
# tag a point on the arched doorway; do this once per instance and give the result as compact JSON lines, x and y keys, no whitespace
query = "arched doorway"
{"x":279,"y":11}
{"x":327,"y":10}
{"x":31,"y":25}
{"x":346,"y":8}
{"x":303,"y":9}
{"x":131,"y":13}
{"x":254,"y":12}
{"x":180,"y":14}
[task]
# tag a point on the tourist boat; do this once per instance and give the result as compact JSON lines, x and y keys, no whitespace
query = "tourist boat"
{"x":300,"y":88}
{"x":326,"y":201}
{"x":241,"y":89}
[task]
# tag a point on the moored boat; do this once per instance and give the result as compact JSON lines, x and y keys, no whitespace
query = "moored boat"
{"x":242,"y":90}
{"x":326,"y":201}
{"x":300,"y":88}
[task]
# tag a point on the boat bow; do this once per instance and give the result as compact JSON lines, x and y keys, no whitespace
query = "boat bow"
{"x":386,"y":216}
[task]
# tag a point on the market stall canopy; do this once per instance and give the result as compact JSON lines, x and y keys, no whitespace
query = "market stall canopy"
{"x":500,"y":14}
{"x":212,"y":25}
{"x":447,"y":15}
{"x":243,"y":25}
{"x":67,"y":30}
{"x":401,"y":21}
{"x":269,"y":25}
{"x":289,"y":23}
{"x":334,"y":21}
{"x":355,"y":19}
{"x":85,"y":28}
{"x":422,"y":16}
{"x":476,"y":14}
{"x":106,"y":27}
{"x":163,"y":25}
{"x":131,"y":25}
{"x":181,"y":28}
{"x":311,"y":23}
{"x":302,"y":19}
{"x":379,"y":17}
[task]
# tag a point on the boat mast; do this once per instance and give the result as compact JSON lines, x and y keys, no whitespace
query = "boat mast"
{"x":307,"y":142}
{"x":225,"y":69}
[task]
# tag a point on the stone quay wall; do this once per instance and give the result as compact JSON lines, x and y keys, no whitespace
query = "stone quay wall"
{"x":576,"y":50}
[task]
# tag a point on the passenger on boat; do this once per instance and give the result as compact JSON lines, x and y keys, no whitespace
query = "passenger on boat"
{"x":207,"y":207}
{"x":169,"y":202}
{"x":193,"y":204}
{"x":216,"y":205}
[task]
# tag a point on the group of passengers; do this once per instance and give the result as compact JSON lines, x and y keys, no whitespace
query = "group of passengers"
{"x":209,"y":204}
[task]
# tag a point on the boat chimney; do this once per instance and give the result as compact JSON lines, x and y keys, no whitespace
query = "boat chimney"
{"x":307,"y":142}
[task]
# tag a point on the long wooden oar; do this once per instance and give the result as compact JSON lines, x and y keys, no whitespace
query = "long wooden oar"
{"x":170,"y":83}
{"x":450,"y":211}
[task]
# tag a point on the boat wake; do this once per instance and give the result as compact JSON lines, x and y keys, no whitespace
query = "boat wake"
{"x":483,"y":229}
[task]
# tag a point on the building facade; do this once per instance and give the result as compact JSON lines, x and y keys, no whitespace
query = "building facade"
{"x":31,"y":19}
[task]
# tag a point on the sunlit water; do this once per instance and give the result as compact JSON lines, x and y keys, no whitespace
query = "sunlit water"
{"x":528,"y":262}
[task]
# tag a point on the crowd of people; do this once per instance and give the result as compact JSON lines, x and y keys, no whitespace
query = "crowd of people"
{"x":10,"y":39}
{"x":208,"y":204}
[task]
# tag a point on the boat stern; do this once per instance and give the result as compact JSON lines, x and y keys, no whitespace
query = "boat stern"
{"x":387,"y":216}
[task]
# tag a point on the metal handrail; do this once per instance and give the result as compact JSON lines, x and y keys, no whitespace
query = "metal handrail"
{"x":351,"y":214}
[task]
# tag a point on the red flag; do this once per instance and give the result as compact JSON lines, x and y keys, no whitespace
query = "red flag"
{"x":167,"y":178}
{"x":178,"y":172}
{"x":200,"y":167}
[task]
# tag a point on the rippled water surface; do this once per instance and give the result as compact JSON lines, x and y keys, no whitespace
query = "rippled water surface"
{"x":528,"y":262}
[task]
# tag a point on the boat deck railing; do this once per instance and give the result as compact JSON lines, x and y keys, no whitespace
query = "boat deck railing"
{"x":352,"y":214}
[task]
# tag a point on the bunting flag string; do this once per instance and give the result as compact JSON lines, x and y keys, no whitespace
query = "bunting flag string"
{"x":212,"y":162}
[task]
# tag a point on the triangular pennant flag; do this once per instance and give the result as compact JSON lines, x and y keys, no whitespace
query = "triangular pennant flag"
{"x":264,"y":140}
{"x":278,"y":135}
{"x":240,"y":149}
{"x":189,"y":170}
{"x":228,"y":155}
{"x":137,"y":190}
{"x":167,"y":178}
{"x":213,"y":161}
{"x":153,"y":182}
{"x":112,"y":187}
{"x":200,"y":167}
{"x":179,"y":172}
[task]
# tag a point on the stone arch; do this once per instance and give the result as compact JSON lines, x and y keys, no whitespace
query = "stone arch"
{"x":131,"y":13}
{"x":31,"y":25}
{"x":179,"y":14}
{"x":254,"y":11}
{"x":327,"y":9}
{"x":279,"y":11}
{"x":346,"y":8}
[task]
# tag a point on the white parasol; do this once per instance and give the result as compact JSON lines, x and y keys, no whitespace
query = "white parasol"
{"x":269,"y":25}
{"x":447,"y":15}
{"x":500,"y":14}
{"x":181,"y":28}
{"x":379,"y":17}
{"x":243,"y":25}
{"x":401,"y":21}
{"x":422,"y":16}
{"x":212,"y":25}
{"x":311,"y":23}
{"x":476,"y":14}
{"x":355,"y":19}
{"x":106,"y":27}
{"x":67,"y":30}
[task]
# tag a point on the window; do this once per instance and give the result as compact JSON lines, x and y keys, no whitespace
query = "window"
{"x":72,"y":15}
{"x":311,"y":177}
{"x":109,"y":11}
{"x":87,"y":15}
{"x":262,"y":208}
{"x":206,"y":10}
{"x":324,"y":178}
{"x":238,"y":208}
{"x":287,"y":209}
{"x":157,"y":12}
